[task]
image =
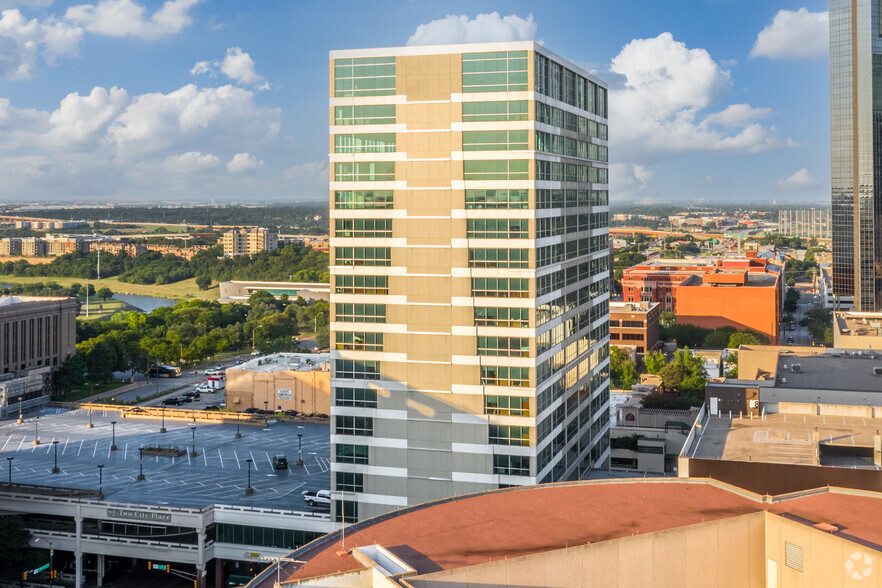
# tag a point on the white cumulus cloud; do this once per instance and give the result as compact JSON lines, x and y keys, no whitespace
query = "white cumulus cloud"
{"x":83,"y":119}
{"x":24,"y":43}
{"x":794,"y":35}
{"x":483,"y":28}
{"x":124,"y":18}
{"x":236,"y":65}
{"x":657,"y":111}
{"x":798,"y":181}
{"x":191,"y":162}
{"x":243,"y":163}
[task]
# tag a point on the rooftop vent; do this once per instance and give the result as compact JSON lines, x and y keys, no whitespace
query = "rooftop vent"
{"x":783,"y":380}
{"x":877,"y":371}
{"x":796,"y":368}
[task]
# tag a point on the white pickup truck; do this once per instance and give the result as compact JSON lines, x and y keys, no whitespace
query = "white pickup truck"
{"x":320,"y":498}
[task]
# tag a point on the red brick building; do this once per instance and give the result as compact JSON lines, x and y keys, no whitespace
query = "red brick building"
{"x":634,"y":324}
{"x":746,"y":293}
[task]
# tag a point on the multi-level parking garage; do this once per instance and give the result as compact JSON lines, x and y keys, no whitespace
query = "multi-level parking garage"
{"x":191,"y":513}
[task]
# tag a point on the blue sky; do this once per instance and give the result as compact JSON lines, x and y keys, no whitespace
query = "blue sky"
{"x":133,"y":100}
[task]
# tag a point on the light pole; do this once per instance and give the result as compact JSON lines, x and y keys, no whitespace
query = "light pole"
{"x":9,"y":461}
{"x":249,"y":489}
{"x":37,"y":431}
{"x":113,"y":435}
{"x":162,"y":412}
{"x":90,"y":425}
{"x":100,"y":482}
{"x":299,"y":448}
{"x":238,"y":434}
{"x":55,"y":469}
{"x":193,"y":452}
{"x":279,"y":561}
{"x":141,"y":464}
{"x":51,"y":558}
{"x":20,"y":419}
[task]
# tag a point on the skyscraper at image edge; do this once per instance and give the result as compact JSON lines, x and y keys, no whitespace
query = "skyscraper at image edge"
{"x":856,"y":151}
{"x":469,"y":272}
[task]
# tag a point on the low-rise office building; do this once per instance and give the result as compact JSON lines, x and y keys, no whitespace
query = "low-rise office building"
{"x":857,"y":330}
{"x":241,"y":290}
{"x":249,"y":241}
{"x":634,"y":324}
{"x":283,"y":381}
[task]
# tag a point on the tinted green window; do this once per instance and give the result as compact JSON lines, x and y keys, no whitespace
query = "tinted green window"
{"x":365,"y":171}
{"x":497,"y":228}
{"x":501,"y":287}
{"x":507,"y":405}
{"x":505,"y":376}
{"x":488,"y":316}
{"x":371,"y":76}
{"x":496,"y":170}
{"x":362,"y":397}
{"x":367,"y":143}
{"x":352,"y":453}
{"x":373,"y":114}
{"x":496,"y":199}
{"x":494,"y":140}
{"x":509,"y":435}
{"x":363,"y":199}
{"x":500,"y":71}
{"x":512,"y":465}
{"x":362,"y":284}
{"x":504,"y":346}
{"x":490,"y":111}
{"x":359,"y":341}
{"x":360,"y":313}
{"x":376,"y":256}
{"x":519,"y":258}
{"x":363,"y":227}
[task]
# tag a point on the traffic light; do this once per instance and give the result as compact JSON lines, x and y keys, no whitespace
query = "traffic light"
{"x":24,"y":575}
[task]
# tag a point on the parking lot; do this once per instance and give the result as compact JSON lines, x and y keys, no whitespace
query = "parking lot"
{"x":218,"y":474}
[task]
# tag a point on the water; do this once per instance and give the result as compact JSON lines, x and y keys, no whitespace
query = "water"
{"x":145,"y":303}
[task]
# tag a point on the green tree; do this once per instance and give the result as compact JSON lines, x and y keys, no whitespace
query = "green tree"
{"x":719,"y":338}
{"x":14,"y":552}
{"x":743,"y":338}
{"x":104,"y":293}
{"x":667,"y":319}
{"x":654,"y":362}
{"x":731,"y":361}
{"x":203,"y":282}
{"x":791,"y":299}
{"x":623,"y":370}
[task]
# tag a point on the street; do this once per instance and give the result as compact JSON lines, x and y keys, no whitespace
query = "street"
{"x":801,"y":335}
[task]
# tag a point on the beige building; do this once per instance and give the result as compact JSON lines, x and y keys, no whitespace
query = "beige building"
{"x":857,"y":330}
{"x":33,"y":247}
{"x":56,"y":246}
{"x":36,"y":331}
{"x":469,"y":269}
{"x":283,"y":381}
{"x":634,"y":533}
{"x":241,"y":290}
{"x":249,"y":241}
{"x":10,"y":246}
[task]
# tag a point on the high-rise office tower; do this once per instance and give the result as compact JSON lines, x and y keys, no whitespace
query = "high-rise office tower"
{"x":469,"y":272}
{"x":856,"y":150}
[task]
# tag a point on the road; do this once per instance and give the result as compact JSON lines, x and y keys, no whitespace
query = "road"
{"x":188,"y":381}
{"x":801,"y":335}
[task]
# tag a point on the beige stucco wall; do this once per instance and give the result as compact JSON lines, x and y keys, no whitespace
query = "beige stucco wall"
{"x":310,"y":391}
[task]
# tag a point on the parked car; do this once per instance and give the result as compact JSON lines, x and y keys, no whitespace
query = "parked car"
{"x":212,"y":407}
{"x":320,"y":498}
{"x":204,"y":389}
{"x":171,"y":402}
{"x":280,"y":462}
{"x":250,"y":410}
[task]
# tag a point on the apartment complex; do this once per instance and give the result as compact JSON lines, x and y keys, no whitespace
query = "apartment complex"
{"x":249,"y":241}
{"x":469,"y":269}
{"x":855,"y":125}
{"x":745,"y":293}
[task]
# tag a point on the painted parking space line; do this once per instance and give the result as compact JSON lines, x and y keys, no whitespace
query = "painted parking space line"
{"x":81,"y":447}
{"x":7,"y":443}
{"x":20,"y":444}
{"x":63,"y":449}
{"x":220,"y":457}
{"x":238,"y":465}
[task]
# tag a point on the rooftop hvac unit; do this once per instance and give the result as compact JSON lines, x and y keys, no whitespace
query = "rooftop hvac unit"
{"x":877,"y":371}
{"x":796,"y":368}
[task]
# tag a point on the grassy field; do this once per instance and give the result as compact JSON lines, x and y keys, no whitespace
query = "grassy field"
{"x":100,"y":310}
{"x":87,"y":390}
{"x":183,"y":290}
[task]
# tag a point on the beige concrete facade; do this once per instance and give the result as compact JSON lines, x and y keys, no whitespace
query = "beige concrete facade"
{"x":283,"y":381}
{"x":249,"y":241}
{"x":36,"y":332}
{"x":480,"y":372}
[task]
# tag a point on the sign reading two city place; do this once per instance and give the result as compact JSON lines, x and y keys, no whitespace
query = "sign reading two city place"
{"x":139,"y":515}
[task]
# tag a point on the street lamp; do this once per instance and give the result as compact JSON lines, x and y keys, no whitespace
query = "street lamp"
{"x":193,"y":452}
{"x":141,"y":464}
{"x":100,"y":481}
{"x":20,"y":419}
{"x":90,"y":425}
{"x":9,"y":461}
{"x":113,"y":436}
{"x":299,"y":448}
{"x":37,"y":431}
{"x":249,"y":489}
{"x":55,"y":469}
{"x":238,"y":434}
{"x":162,"y":412}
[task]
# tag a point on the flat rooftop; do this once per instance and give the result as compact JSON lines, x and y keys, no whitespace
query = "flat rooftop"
{"x":480,"y":528}
{"x":280,"y":362}
{"x":217,"y":475}
{"x":832,"y":371}
{"x":631,"y":307}
{"x":784,"y":438}
{"x":859,"y":323}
